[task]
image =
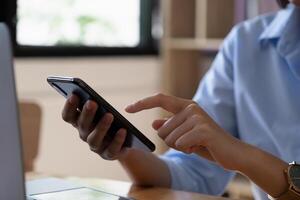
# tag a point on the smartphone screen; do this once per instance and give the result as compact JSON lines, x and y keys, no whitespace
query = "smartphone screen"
{"x":67,"y":86}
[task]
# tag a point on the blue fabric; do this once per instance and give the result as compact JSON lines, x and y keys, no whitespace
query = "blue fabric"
{"x":253,"y":91}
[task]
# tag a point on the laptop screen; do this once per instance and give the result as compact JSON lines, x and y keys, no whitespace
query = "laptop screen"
{"x":11,"y":171}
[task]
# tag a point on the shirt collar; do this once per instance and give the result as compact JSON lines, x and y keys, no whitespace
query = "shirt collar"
{"x":278,"y":26}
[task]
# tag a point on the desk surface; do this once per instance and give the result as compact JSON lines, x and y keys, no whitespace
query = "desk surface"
{"x":127,"y":189}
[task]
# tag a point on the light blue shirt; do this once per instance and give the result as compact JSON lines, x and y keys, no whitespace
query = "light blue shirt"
{"x":253,"y":91}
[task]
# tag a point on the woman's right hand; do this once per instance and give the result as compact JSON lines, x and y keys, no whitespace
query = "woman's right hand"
{"x":94,"y":135}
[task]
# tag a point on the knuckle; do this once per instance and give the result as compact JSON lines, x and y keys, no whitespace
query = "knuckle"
{"x":160,"y":95}
{"x":206,"y":126}
{"x":94,"y":149}
{"x":83,"y":126}
{"x":195,"y":118}
{"x":169,"y":142}
{"x":191,"y":108}
{"x":90,"y":142}
{"x":110,"y":154}
{"x":80,"y":125}
{"x":64,"y":116}
{"x":161,"y":134}
{"x":75,"y":125}
{"x":179,"y":146}
{"x":82,"y":136}
{"x":198,"y":127}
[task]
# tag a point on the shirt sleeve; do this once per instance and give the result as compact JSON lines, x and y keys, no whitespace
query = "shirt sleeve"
{"x":216,"y":96}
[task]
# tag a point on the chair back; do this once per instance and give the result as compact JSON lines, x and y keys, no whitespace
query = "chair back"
{"x":30,"y":119}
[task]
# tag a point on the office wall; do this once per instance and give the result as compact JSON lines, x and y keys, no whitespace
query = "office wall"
{"x":120,"y":80}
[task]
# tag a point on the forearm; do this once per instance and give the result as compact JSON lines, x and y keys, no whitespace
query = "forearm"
{"x":146,"y":168}
{"x":264,"y":169}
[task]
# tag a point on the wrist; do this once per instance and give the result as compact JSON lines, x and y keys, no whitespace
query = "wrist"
{"x":128,"y":154}
{"x":238,"y":155}
{"x":259,"y":166}
{"x":243,"y":156}
{"x":227,"y":151}
{"x":292,"y":190}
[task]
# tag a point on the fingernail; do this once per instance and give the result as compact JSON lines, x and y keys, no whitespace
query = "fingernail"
{"x":129,"y":106}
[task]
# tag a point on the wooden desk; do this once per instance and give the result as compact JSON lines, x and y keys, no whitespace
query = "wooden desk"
{"x":140,"y":193}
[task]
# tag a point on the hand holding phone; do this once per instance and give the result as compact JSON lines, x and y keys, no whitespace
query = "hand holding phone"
{"x":95,"y":134}
{"x":96,"y":120}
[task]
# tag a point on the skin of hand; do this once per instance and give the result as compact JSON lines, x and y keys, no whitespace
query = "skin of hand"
{"x":190,"y":129}
{"x":151,"y":172}
{"x":94,"y":135}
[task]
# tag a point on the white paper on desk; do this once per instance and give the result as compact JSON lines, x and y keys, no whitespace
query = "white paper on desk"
{"x":78,"y":194}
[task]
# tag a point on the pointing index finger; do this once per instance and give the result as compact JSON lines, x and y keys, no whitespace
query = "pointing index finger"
{"x":168,"y":103}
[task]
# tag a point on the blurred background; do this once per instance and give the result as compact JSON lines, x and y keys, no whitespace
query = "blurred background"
{"x":126,"y":50}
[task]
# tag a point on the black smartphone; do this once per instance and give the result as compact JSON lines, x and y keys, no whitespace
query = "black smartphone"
{"x":67,"y":86}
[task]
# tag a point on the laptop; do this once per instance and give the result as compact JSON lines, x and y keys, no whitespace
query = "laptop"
{"x":12,"y":182}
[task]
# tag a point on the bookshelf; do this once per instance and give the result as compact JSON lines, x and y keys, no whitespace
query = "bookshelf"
{"x":193,"y":33}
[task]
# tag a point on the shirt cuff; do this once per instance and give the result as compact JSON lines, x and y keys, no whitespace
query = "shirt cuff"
{"x":179,"y":178}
